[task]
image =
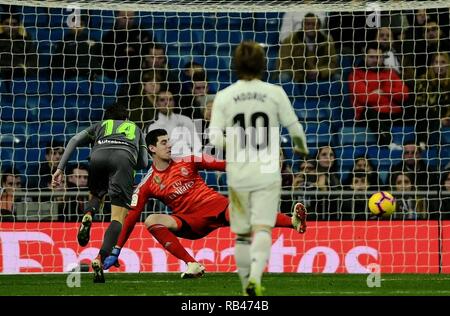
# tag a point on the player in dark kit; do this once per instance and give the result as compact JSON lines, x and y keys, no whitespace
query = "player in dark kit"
{"x":197,"y":209}
{"x":118,"y":149}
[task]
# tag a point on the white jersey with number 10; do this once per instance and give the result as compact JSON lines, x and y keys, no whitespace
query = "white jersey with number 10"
{"x":250,"y":113}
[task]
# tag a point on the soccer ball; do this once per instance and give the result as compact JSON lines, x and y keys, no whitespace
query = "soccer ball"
{"x":382,"y":204}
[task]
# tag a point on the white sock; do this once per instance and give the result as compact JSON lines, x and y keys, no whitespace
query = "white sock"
{"x":259,"y":254}
{"x":242,"y":257}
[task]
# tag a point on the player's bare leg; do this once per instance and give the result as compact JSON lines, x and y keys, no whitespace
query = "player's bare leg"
{"x":94,"y":205}
{"x":299,"y":217}
{"x":161,"y":227}
{"x":110,"y":238}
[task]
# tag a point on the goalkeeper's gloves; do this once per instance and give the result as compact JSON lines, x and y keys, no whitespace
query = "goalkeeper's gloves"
{"x":112,"y":259}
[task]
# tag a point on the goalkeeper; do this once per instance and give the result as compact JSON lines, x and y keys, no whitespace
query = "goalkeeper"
{"x":118,"y":148}
{"x":197,"y":209}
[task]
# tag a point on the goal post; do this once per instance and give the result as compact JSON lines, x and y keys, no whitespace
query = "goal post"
{"x":369,"y":81}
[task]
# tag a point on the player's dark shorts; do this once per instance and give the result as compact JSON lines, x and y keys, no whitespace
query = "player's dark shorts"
{"x":200,"y":226}
{"x":111,"y":170}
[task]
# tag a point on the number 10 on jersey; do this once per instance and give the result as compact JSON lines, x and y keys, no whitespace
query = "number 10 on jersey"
{"x":256,"y":135}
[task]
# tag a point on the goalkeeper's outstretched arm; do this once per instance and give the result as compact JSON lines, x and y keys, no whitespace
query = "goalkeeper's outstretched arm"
{"x":130,"y":222}
{"x":138,"y":202}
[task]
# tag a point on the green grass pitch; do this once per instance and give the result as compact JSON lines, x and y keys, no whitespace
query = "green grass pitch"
{"x":225,"y":284}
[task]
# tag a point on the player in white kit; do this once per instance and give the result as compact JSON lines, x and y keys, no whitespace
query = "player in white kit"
{"x":250,"y":113}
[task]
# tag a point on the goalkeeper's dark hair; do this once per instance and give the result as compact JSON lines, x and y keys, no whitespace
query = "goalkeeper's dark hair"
{"x":152,"y":137}
{"x":249,"y":61}
{"x":116,"y":112}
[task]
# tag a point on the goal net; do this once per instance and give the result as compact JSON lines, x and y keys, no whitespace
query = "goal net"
{"x":369,"y":81}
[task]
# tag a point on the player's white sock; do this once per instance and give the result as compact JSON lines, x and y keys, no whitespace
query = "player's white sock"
{"x":242,"y":256}
{"x":259,"y":254}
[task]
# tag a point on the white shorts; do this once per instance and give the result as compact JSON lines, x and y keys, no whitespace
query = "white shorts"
{"x":250,"y":208}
